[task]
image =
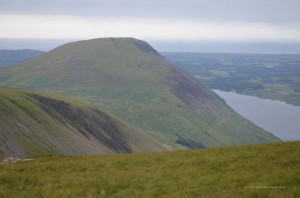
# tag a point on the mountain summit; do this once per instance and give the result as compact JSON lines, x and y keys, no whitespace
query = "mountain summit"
{"x":132,"y":80}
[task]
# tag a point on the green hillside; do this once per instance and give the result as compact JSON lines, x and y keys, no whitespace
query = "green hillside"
{"x":133,"y":81}
{"x":12,"y":57}
{"x":270,"y":170}
{"x":32,"y":124}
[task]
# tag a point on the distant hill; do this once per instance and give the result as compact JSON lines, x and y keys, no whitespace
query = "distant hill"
{"x":270,"y":170}
{"x":12,"y":57}
{"x":132,"y":80}
{"x":32,"y":124}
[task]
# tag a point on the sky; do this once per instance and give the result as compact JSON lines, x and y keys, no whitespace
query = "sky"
{"x":167,"y":24}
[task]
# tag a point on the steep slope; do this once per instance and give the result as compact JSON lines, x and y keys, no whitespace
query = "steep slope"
{"x":11,"y":57}
{"x":133,"y":81}
{"x":33,"y":124}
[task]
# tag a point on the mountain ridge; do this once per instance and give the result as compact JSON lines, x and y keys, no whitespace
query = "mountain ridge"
{"x":35,"y":124}
{"x":12,"y":57}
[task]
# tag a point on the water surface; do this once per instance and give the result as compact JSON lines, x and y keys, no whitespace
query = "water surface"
{"x":279,"y":118}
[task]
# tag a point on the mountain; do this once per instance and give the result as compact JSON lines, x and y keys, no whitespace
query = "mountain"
{"x":32,"y":124}
{"x":130,"y":79}
{"x":12,"y":57}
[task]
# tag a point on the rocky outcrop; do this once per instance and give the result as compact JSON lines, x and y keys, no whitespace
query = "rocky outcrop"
{"x":90,"y":122}
{"x":14,"y":159}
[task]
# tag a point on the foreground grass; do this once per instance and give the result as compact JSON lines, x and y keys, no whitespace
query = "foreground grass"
{"x":245,"y":171}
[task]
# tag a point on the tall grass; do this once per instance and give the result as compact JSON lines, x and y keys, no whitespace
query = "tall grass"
{"x":245,"y":171}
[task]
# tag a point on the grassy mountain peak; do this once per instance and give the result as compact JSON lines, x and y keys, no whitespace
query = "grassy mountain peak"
{"x":132,"y":80}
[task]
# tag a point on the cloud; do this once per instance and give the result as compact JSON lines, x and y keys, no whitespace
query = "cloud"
{"x":148,"y":28}
{"x":262,"y":11}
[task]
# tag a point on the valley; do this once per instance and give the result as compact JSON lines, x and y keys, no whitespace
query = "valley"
{"x":270,"y":76}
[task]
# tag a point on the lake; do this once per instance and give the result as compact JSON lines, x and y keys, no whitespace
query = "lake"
{"x":279,"y":118}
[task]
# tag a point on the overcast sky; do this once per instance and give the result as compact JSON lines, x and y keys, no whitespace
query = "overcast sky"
{"x":155,"y":20}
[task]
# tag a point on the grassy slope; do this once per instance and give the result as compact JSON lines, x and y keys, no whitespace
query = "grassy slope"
{"x":12,"y":57}
{"x":32,"y":124}
{"x":130,"y":79}
{"x":270,"y":170}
